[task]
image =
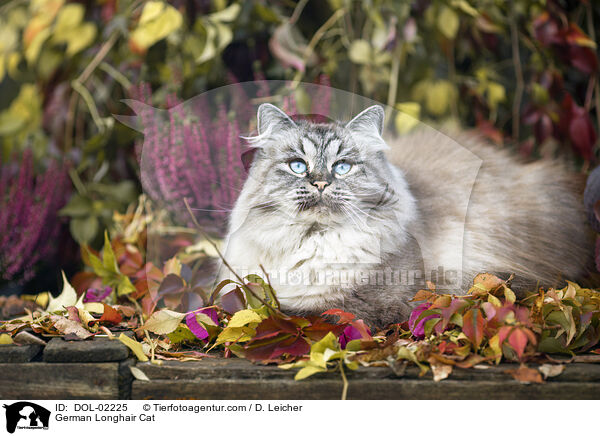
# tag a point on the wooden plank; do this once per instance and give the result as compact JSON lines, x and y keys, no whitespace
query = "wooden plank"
{"x":49,"y":381}
{"x":239,"y":379}
{"x":370,"y":389}
{"x":94,"y":350}
{"x":18,"y":353}
{"x":243,"y":369}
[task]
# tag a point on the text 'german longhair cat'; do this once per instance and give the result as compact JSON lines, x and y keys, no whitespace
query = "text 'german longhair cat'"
{"x":338,"y":218}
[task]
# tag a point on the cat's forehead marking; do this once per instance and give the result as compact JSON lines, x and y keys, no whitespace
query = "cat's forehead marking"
{"x":321,"y":142}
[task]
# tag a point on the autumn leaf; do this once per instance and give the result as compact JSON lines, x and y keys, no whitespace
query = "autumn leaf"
{"x":163,"y":322}
{"x":68,"y":297}
{"x":110,"y":315}
{"x":5,"y":339}
{"x":473,"y":324}
{"x":244,"y":317}
{"x":525,"y":375}
{"x":134,"y":346}
{"x":66,"y":326}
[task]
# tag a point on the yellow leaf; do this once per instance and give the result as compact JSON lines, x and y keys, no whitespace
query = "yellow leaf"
{"x":151,"y":11}
{"x":307,"y":371}
{"x":496,"y":94}
{"x":360,"y":52}
{"x":69,"y":17}
{"x":438,"y":97}
{"x":448,"y":22}
{"x":163,"y":322}
{"x":509,"y":295}
{"x":33,"y":49}
{"x":235,"y":334}
{"x":244,"y":317}
{"x":40,"y":299}
{"x":496,"y":347}
{"x":94,"y":307}
{"x":172,"y":266}
{"x":5,"y":339}
{"x":493,"y":300}
{"x":81,"y":37}
{"x":134,"y":346}
{"x":156,"y":25}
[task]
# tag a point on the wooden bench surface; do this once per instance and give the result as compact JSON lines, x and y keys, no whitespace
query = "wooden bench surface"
{"x":100,"y":369}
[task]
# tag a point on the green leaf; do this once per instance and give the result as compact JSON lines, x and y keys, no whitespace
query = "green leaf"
{"x":109,"y":261}
{"x":181,"y":334}
{"x":77,"y":207}
{"x":84,"y":229}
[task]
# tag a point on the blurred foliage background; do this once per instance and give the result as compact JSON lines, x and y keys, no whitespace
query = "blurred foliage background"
{"x":522,"y":72}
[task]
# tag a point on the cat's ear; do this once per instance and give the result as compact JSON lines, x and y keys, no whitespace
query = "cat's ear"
{"x":270,"y":117}
{"x":368,"y":121}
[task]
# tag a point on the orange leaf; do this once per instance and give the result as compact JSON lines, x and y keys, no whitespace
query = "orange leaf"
{"x":110,"y":315}
{"x":525,"y":375}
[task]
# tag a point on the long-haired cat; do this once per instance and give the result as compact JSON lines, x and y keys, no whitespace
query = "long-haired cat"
{"x":337,"y":218}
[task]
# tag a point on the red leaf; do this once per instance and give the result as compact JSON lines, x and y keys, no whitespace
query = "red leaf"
{"x":473,"y":324}
{"x":110,"y":315}
{"x":583,"y":135}
{"x":344,"y":317}
{"x":503,"y":333}
{"x":518,"y":340}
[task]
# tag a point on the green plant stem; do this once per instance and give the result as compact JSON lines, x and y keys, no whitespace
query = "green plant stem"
{"x":344,"y":380}
{"x":315,"y":40}
{"x":79,"y":82}
{"x":514,"y":36}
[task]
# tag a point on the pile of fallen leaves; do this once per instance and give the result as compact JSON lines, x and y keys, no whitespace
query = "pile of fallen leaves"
{"x":175,"y":317}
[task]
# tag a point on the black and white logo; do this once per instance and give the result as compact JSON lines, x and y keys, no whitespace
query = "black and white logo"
{"x":26,"y":415}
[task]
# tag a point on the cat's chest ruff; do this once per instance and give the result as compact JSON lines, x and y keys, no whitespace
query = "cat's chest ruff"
{"x":315,"y":247}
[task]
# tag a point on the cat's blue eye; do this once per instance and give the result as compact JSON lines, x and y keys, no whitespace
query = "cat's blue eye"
{"x":342,"y":168}
{"x":298,"y":166}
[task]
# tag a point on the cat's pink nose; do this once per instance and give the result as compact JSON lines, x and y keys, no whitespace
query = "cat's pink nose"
{"x":321,"y":184}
